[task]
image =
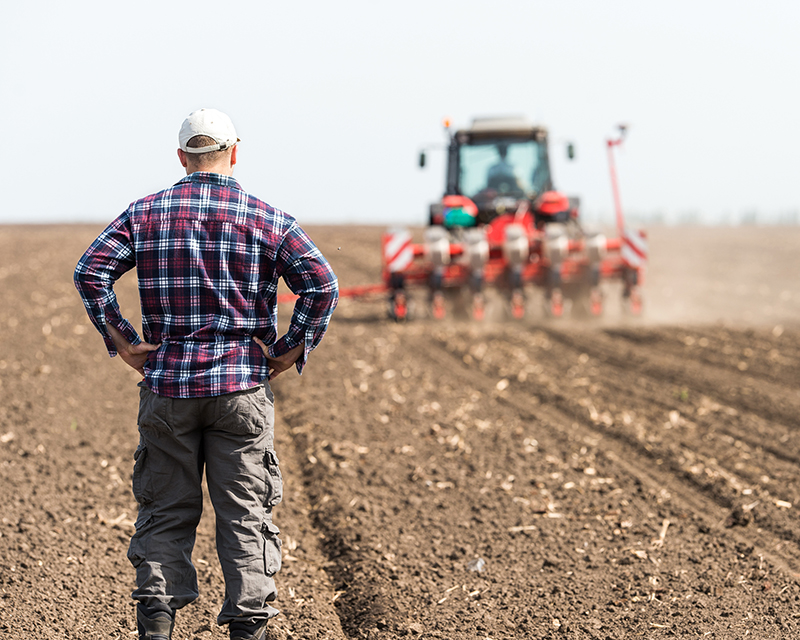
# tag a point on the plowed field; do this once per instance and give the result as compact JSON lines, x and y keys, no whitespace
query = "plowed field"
{"x":515,"y":479}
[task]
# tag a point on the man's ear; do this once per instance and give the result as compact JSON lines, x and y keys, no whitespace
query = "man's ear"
{"x":182,"y":156}
{"x":233,"y":154}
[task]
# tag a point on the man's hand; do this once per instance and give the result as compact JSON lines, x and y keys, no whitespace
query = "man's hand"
{"x":280,"y":364}
{"x":134,"y":355}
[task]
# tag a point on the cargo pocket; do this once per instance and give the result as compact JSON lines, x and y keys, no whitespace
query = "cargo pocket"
{"x":242,"y":413}
{"x":272,"y":548}
{"x":141,"y":488}
{"x":274,"y":480}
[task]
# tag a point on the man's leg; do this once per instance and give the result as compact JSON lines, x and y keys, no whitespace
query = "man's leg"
{"x":245,"y":483}
{"x":167,"y":485}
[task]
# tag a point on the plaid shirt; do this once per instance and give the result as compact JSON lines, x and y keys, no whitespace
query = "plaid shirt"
{"x":208,"y":257}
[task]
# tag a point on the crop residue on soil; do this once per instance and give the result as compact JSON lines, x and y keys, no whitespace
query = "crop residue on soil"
{"x":443,"y":479}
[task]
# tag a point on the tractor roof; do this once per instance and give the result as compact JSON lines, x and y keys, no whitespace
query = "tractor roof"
{"x":511,"y":126}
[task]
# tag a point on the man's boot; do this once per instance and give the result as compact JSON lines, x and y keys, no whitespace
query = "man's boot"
{"x":248,"y":631}
{"x":154,"y":624}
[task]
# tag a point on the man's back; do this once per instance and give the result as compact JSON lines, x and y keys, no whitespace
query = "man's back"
{"x":208,"y":258}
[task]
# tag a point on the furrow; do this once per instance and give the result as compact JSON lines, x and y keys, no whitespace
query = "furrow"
{"x":636,"y":462}
{"x":743,"y":392}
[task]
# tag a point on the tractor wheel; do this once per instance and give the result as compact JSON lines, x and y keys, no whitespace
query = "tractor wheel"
{"x":437,"y":305}
{"x":596,"y":302}
{"x":517,"y":305}
{"x":634,"y":302}
{"x":587,"y":302}
{"x":478,"y":307}
{"x":398,"y":307}
{"x":556,"y":304}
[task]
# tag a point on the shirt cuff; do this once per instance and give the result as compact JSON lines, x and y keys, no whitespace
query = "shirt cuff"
{"x":285,"y":344}
{"x":125,"y":328}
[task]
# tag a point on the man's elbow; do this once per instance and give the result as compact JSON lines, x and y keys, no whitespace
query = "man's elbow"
{"x":333,"y":292}
{"x":78,"y":278}
{"x":88,"y":283}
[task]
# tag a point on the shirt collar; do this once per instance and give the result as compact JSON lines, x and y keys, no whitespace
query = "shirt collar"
{"x":206,"y":177}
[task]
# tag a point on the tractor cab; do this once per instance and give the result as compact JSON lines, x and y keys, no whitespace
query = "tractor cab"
{"x":499,"y":164}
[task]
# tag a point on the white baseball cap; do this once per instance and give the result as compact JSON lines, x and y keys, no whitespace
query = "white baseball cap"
{"x":211,"y":123}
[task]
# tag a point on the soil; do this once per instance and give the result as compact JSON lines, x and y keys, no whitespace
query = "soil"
{"x":625,"y":478}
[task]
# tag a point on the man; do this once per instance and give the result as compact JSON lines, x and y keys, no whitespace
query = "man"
{"x":208,"y":257}
{"x":501,"y":175}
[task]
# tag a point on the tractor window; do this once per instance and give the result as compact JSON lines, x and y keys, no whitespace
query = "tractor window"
{"x":516,"y":169}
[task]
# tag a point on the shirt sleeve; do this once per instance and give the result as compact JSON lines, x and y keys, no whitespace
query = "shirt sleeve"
{"x":308,"y":275}
{"x":106,"y":259}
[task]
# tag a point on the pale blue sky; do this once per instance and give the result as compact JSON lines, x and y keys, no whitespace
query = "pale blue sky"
{"x":333,"y":100}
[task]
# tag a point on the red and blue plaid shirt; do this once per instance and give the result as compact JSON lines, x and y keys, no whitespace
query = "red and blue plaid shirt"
{"x":208,"y":258}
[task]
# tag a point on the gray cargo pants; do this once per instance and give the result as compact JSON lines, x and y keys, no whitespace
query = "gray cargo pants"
{"x":232,"y":437}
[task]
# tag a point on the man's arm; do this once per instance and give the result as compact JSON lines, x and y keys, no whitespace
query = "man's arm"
{"x":307,"y":274}
{"x":108,"y":257}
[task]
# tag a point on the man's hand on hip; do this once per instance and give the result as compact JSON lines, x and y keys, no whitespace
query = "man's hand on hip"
{"x":134,"y":355}
{"x":280,"y":364}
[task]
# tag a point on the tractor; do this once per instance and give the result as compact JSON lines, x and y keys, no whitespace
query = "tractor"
{"x":502,"y":224}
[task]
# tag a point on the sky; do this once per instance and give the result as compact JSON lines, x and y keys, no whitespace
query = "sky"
{"x":334,"y":100}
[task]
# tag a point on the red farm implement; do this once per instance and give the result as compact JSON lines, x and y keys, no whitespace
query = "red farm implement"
{"x":501,"y":225}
